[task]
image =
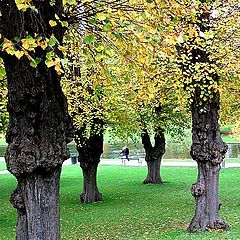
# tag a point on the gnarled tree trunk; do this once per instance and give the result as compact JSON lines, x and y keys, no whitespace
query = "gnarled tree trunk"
{"x":153,"y":156}
{"x":90,"y":150}
{"x":39,"y":127}
{"x":208,"y":150}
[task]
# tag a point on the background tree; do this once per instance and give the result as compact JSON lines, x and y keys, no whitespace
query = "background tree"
{"x":89,"y":54}
{"x":83,"y":87}
{"x":146,"y":102}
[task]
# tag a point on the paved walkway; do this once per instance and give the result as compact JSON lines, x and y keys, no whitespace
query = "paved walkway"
{"x":4,"y":172}
{"x":141,"y":163}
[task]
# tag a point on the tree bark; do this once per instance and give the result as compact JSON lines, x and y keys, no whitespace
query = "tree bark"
{"x":90,"y":149}
{"x":37,"y":201}
{"x":90,"y":192}
{"x":208,"y":150}
{"x":153,"y":156}
{"x":18,"y":203}
{"x":39,"y":127}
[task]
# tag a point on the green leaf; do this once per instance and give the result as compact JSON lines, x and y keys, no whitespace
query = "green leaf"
{"x":35,"y":62}
{"x":49,"y":54}
{"x":106,"y":27}
{"x":89,"y":39}
{"x":71,"y":2}
{"x":2,"y":72}
{"x":16,"y":39}
{"x":93,"y":21}
{"x":64,"y":24}
{"x":68,"y":37}
{"x":52,"y":41}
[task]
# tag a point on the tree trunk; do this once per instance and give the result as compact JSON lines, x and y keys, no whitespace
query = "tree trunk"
{"x":90,"y":150}
{"x":37,"y":138}
{"x":39,"y":126}
{"x":153,"y":156}
{"x":38,"y":207}
{"x":153,"y":175}
{"x":90,"y":192}
{"x":208,"y":150}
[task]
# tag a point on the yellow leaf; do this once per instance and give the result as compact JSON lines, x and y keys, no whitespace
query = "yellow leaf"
{"x":50,"y":63}
{"x":29,"y":44}
{"x":52,"y":23}
{"x":61,"y":48}
{"x":101,"y":16}
{"x":6,"y":44}
{"x":99,"y":48}
{"x":19,"y":54}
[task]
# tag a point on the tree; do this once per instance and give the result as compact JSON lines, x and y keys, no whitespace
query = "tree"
{"x":199,"y":61}
{"x":86,"y":82}
{"x":82,"y":86}
{"x":146,"y":86}
{"x":39,"y":125}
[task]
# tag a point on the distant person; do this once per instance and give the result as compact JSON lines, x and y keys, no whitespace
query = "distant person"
{"x":125,"y":152}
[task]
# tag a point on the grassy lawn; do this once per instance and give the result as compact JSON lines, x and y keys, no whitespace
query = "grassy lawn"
{"x":228,"y":139}
{"x":2,"y":166}
{"x":130,"y":209}
{"x":3,"y":141}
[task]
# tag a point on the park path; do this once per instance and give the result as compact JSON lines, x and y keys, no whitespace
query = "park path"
{"x":142,"y":163}
{"x":4,"y":172}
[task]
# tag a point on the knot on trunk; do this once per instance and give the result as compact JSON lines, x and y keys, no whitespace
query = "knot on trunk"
{"x":17,"y":200}
{"x":220,"y":224}
{"x":212,"y":151}
{"x":218,"y":150}
{"x":198,"y":153}
{"x":32,"y":156}
{"x":197,"y":190}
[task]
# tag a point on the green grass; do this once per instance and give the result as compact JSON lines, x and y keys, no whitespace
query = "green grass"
{"x":130,"y":209}
{"x":3,"y":166}
{"x":3,"y":141}
{"x":229,"y":139}
{"x":227,"y":128}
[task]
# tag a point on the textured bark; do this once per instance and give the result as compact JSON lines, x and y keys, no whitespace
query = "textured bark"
{"x":39,"y":127}
{"x":18,"y":203}
{"x":90,"y":150}
{"x":153,"y":156}
{"x":208,"y":150}
{"x":90,"y":192}
{"x":37,"y":200}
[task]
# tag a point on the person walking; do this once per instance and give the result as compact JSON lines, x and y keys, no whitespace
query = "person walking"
{"x":125,"y":152}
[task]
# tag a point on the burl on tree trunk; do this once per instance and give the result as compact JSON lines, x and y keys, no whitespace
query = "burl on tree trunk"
{"x":153,"y":156}
{"x":208,"y":150}
{"x":39,"y":127}
{"x":90,"y":149}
